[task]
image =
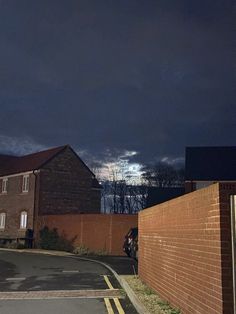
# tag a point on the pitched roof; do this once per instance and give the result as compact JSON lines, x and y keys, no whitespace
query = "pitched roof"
{"x":16,"y":164}
{"x":210,"y":163}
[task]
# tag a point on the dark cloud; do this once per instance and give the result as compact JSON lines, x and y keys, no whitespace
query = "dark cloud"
{"x":109,"y":77}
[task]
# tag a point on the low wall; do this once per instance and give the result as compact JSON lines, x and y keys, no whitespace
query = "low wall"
{"x":98,"y":232}
{"x":185,"y":250}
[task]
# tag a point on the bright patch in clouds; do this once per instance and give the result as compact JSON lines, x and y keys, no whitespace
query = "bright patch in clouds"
{"x":129,"y":153}
{"x":173,"y":161}
{"x":122,"y":169}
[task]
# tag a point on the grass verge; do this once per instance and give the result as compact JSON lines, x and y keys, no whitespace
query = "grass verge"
{"x":153,"y":303}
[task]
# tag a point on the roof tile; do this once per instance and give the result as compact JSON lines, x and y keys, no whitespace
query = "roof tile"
{"x":17,"y":164}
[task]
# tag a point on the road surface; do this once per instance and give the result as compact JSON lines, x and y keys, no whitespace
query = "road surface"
{"x":38,"y":284}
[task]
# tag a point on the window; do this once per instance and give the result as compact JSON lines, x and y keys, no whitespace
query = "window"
{"x":23,"y":220}
{"x":4,"y":185}
{"x":2,"y":220}
{"x":25,"y":184}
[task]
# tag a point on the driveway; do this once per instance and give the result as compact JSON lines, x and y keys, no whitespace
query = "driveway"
{"x":54,"y":284}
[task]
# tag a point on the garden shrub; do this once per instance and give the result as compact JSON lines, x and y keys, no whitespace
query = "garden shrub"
{"x":12,"y":244}
{"x":51,"y":240}
{"x":82,"y":250}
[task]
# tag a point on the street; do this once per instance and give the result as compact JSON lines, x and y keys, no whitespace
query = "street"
{"x":53,"y":284}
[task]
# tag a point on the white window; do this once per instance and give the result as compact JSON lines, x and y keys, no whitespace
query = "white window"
{"x":23,"y":220}
{"x":25,"y":183}
{"x":2,"y":220}
{"x":4,"y":185}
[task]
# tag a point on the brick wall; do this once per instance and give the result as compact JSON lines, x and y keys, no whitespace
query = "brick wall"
{"x":185,"y":250}
{"x":190,"y":186}
{"x":98,"y":232}
{"x":63,"y":185}
{"x":66,"y":186}
{"x":13,"y":203}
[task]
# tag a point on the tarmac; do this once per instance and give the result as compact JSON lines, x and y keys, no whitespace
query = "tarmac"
{"x":118,"y":265}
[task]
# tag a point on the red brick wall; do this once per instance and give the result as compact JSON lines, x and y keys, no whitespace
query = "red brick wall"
{"x":185,"y":250}
{"x":13,"y":203}
{"x":96,"y":231}
{"x":66,"y":187}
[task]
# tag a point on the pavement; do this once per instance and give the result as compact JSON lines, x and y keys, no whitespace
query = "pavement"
{"x":60,"y":282}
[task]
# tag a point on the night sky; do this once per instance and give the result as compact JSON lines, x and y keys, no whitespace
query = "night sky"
{"x":117,"y":79}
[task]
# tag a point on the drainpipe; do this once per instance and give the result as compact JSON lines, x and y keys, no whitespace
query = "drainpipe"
{"x":34,"y":208}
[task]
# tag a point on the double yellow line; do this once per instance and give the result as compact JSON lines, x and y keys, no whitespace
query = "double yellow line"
{"x":116,"y":300}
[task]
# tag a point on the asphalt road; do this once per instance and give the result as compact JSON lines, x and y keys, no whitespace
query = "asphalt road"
{"x":36,"y":283}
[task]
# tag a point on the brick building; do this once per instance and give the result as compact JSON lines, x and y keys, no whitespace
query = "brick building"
{"x":187,"y":250}
{"x":51,"y":182}
{"x":207,"y":165}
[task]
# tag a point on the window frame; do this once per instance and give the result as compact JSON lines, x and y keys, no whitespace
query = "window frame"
{"x":23,"y":220}
{"x":2,"y":220}
{"x":25,"y":183}
{"x":4,"y":185}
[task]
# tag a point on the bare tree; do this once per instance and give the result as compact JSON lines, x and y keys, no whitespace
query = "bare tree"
{"x":120,"y":196}
{"x":163,"y":174}
{"x":136,"y":197}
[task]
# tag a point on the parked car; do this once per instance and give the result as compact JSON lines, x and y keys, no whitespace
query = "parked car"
{"x":130,"y":246}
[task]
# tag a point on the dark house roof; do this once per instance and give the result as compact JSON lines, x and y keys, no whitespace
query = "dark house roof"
{"x":15,"y":164}
{"x":158,"y":195}
{"x":210,"y":163}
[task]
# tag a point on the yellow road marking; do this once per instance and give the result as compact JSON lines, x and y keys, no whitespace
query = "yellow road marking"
{"x":116,"y":300}
{"x":118,"y":306}
{"x":108,"y":282}
{"x":108,"y":306}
